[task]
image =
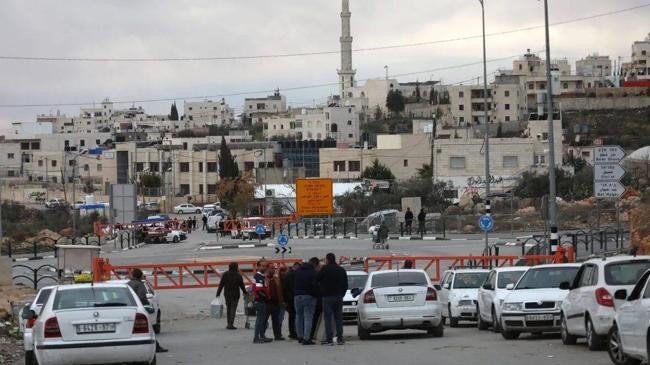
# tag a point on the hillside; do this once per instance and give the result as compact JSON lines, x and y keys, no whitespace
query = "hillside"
{"x":629,"y":128}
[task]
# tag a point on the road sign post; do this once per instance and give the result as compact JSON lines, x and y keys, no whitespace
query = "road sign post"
{"x":260,"y":230}
{"x":486,"y":223}
{"x":283,"y":241}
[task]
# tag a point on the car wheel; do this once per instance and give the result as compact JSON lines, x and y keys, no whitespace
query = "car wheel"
{"x":436,"y":331}
{"x":156,"y":326}
{"x":482,"y":325}
{"x":510,"y":335}
{"x":363,"y":333}
{"x":594,"y":340}
{"x":198,"y":211}
{"x":179,"y":212}
{"x":30,"y":358}
{"x":615,"y":350}
{"x":175,"y":240}
{"x":453,"y":322}
{"x":496,"y":325}
{"x":567,"y":338}
{"x":153,"y":362}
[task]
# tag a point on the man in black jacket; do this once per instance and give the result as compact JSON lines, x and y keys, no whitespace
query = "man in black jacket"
{"x":305,"y":292}
{"x":288,"y":283}
{"x":408,"y":219}
{"x":231,"y":283}
{"x":333,"y":283}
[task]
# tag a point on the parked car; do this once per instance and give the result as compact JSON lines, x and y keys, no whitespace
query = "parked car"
{"x":154,"y":301}
{"x":213,"y":220}
{"x":26,"y":326}
{"x":187,"y":209}
{"x":459,"y":292}
{"x":55,"y":203}
{"x":628,"y":339}
{"x":534,"y":303}
{"x":356,"y":280}
{"x":175,"y":236}
{"x":208,"y":208}
{"x":101,"y":323}
{"x":588,"y":310}
{"x":398,"y":299}
{"x":155,"y":234}
{"x":492,"y":293}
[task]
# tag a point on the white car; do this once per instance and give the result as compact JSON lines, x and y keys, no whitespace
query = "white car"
{"x":398,"y":299}
{"x":26,"y":326}
{"x":459,"y":293}
{"x":492,"y":293}
{"x":534,"y":304}
{"x":213,"y":221}
{"x":628,"y":339}
{"x":93,"y":323}
{"x":154,"y":302}
{"x":56,"y":202}
{"x":588,"y":310}
{"x":175,"y":236}
{"x":356,"y":280}
{"x":187,"y":209}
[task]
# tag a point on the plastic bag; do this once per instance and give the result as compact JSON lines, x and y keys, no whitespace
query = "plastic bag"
{"x":216,"y":308}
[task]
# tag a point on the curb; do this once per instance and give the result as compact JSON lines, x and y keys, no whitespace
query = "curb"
{"x":225,"y":247}
{"x":101,"y":252}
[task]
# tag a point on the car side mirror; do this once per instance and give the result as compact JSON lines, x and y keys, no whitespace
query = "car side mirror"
{"x":149,"y":296}
{"x":445,"y":286}
{"x":149,"y":309}
{"x":28,"y":314}
{"x":487,"y":286}
{"x":565,"y":285}
{"x":437,"y":287}
{"x":355,"y":292}
{"x":510,"y":286}
{"x":620,"y":294}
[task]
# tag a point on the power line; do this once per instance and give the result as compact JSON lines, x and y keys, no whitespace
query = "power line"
{"x":314,"y":53}
{"x":243,"y":93}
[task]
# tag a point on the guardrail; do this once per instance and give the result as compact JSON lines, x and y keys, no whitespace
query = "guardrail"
{"x":34,"y":278}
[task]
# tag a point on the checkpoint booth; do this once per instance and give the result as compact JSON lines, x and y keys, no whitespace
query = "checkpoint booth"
{"x":75,"y":262}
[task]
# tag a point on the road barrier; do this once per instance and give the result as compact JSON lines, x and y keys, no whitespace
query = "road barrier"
{"x":190,"y":275}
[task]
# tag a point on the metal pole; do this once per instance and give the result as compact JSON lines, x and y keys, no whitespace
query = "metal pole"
{"x":74,"y":199}
{"x":552,"y":204}
{"x":487,"y":125}
{"x":512,"y":234}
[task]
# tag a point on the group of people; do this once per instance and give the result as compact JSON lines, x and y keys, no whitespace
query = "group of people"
{"x":408,"y":220}
{"x":304,"y":291}
{"x":187,"y":225}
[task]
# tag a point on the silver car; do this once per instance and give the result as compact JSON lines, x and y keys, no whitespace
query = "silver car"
{"x":398,"y":299}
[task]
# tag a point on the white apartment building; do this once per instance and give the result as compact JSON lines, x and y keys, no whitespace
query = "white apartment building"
{"x":531,"y":64}
{"x":207,"y":113}
{"x":594,"y":65}
{"x":506,"y":103}
{"x":373,"y":93}
{"x":336,"y":122}
{"x":29,"y":128}
{"x":639,"y":66}
{"x":258,"y":108}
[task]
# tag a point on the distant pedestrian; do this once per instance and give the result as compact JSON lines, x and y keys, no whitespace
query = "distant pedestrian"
{"x":333,"y":284}
{"x":275,"y":303}
{"x":408,"y":264}
{"x":141,"y":291}
{"x":205,"y":223}
{"x":408,"y":219}
{"x":288,"y":277}
{"x":305,"y":292}
{"x":261,"y":298}
{"x":421,"y":217}
{"x":231,"y":283}
{"x":194,"y":223}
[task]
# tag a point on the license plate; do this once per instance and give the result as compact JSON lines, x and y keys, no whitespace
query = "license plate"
{"x":400,"y":298}
{"x":95,"y":328}
{"x":539,"y":317}
{"x":349,"y":310}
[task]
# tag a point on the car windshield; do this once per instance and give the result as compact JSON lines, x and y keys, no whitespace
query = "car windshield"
{"x":625,"y":272}
{"x":469,"y":280}
{"x":357,"y":281}
{"x":508,"y":277}
{"x":399,"y":279}
{"x":92,"y":297}
{"x":546,"y":277}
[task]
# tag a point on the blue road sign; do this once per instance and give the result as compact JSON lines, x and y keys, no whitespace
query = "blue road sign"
{"x":260,"y":229}
{"x":283,"y":240}
{"x":486,"y":223}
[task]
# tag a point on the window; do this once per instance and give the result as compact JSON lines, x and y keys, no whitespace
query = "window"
{"x":153,"y":166}
{"x":36,"y":145}
{"x":585,"y":278}
{"x":507,"y":106}
{"x":24,"y":146}
{"x":86,"y":167}
{"x":461,"y":107}
{"x":70,"y":162}
{"x":406,"y":163}
{"x":461,"y":120}
{"x":139,"y":166}
{"x":10,"y":156}
{"x":185,"y":146}
{"x":540,"y":159}
{"x":510,"y":162}
{"x":507,"y":118}
{"x":542,"y":85}
{"x":565,"y":85}
{"x":185,"y":166}
{"x":339,"y":166}
{"x":531,"y":86}
{"x":201,"y":189}
{"x":545,"y":136}
{"x":212,"y":188}
{"x":82,"y":143}
{"x":99,"y":167}
{"x":457,"y":163}
{"x":98,"y":142}
{"x":461,"y":94}
{"x":643,"y":53}
{"x":506,"y":93}
{"x":354,"y":166}
{"x":53,"y":163}
{"x":212,"y":167}
{"x":40,"y":163}
{"x":520,"y":67}
{"x":350,"y":135}
{"x":349,"y":122}
{"x":185,"y":189}
{"x":249,"y":165}
{"x":200,"y":166}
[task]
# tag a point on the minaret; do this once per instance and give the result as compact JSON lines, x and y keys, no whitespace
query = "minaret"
{"x":346,"y":73}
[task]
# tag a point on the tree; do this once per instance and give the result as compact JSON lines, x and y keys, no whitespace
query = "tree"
{"x":236,"y":193}
{"x":377,"y":171}
{"x":173,"y":114}
{"x":378,"y":113}
{"x":425,"y":172}
{"x":227,"y":166}
{"x":395,"y":101}
{"x":417,"y":92}
{"x":148,"y":182}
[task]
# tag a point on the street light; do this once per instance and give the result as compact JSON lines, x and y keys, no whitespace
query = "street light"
{"x":487,"y":126}
{"x":74,"y":190}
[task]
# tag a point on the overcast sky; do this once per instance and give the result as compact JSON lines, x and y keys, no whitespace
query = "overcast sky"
{"x":205,"y":28}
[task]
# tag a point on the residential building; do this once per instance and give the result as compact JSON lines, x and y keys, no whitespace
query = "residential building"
{"x":258,"y":108}
{"x":594,"y":65}
{"x":305,"y":154}
{"x":638,"y":69}
{"x":29,"y":128}
{"x":336,"y":122}
{"x":207,"y":113}
{"x":506,"y":103}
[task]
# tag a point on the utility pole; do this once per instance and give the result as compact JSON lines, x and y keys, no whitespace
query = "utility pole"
{"x":487,"y":127}
{"x":552,"y":203}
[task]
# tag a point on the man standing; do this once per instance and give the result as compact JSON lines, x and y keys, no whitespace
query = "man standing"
{"x":408,"y":218}
{"x":288,"y":283}
{"x":274,"y":306}
{"x":333,"y":283}
{"x":205,"y":222}
{"x":305,"y":290}
{"x":421,"y":217}
{"x":231,"y":283}
{"x":138,"y":287}
{"x":261,"y":297}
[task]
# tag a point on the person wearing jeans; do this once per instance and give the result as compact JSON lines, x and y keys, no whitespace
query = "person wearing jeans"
{"x":260,"y":303}
{"x":333,"y":283}
{"x":305,"y":289}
